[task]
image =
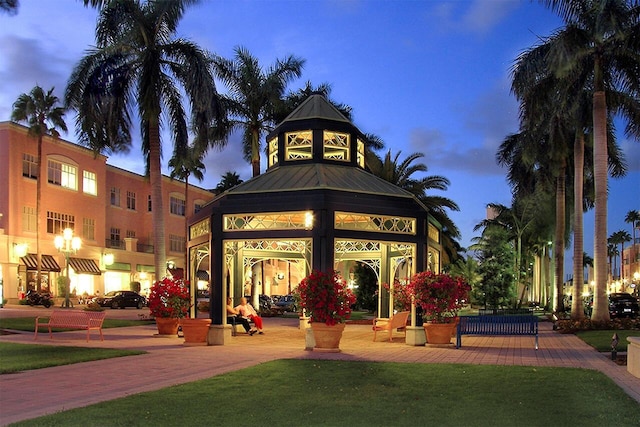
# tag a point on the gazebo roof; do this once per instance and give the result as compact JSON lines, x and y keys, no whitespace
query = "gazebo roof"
{"x":316,"y":107}
{"x":317,"y":176}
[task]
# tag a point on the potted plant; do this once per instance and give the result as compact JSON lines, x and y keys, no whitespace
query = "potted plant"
{"x":440,"y":296}
{"x":169,"y":302}
{"x":327,"y":301}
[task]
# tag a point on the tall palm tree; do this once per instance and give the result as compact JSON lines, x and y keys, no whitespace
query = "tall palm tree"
{"x":603,"y":37}
{"x":39,"y":109}
{"x":228,"y":181}
{"x":253,"y":96}
{"x":139,"y":67}
{"x":612,"y":254}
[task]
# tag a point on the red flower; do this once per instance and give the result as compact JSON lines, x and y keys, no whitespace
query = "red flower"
{"x":170,"y":298}
{"x":326,"y":297}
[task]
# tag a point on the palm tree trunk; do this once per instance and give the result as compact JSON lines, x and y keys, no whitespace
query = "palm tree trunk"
{"x":186,"y":225}
{"x":600,"y":161}
{"x":577,"y":309}
{"x":41,"y":176}
{"x":157,"y":207}
{"x":255,"y":152}
{"x":558,"y":252}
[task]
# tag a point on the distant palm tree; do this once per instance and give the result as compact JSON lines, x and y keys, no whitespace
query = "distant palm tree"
{"x":253,"y":96}
{"x":293,"y":99}
{"x":139,"y":66}
{"x":9,"y":6}
{"x":612,"y":254}
{"x":228,"y":181}
{"x":620,"y":237}
{"x":633,"y":218}
{"x":39,"y":110}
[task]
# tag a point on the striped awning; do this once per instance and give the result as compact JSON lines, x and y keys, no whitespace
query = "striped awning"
{"x":84,"y":266}
{"x":48,"y":262}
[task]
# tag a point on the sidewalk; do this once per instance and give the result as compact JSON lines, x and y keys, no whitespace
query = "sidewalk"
{"x":44,"y":391}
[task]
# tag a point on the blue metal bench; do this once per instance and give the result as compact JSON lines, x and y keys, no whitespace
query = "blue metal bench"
{"x":497,"y":325}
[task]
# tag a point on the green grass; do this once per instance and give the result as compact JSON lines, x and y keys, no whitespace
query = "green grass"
{"x":341,"y":393}
{"x":28,"y":324}
{"x":15,"y":357}
{"x":601,"y":340}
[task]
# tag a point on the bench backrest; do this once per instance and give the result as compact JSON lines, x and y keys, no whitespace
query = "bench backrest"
{"x":399,"y":320}
{"x":498,"y":325}
{"x":77,"y":318}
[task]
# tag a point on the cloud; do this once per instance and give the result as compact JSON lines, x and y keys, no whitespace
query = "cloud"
{"x":478,"y":16}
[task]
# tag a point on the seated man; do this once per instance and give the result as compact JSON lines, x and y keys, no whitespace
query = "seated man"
{"x":247,"y":311}
{"x":233,"y":316}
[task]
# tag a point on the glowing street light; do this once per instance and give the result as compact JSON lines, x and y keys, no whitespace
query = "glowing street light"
{"x":67,"y":244}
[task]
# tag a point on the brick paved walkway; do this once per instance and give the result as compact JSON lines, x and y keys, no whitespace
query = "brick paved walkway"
{"x":44,"y":391}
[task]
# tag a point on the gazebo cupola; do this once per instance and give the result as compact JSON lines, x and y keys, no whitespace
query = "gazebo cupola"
{"x":315,"y":207}
{"x":315,"y":132}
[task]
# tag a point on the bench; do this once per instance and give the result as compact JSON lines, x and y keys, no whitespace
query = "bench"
{"x":69,"y":319}
{"x":504,"y":311}
{"x":235,"y":325}
{"x":397,"y":321}
{"x":497,"y":325}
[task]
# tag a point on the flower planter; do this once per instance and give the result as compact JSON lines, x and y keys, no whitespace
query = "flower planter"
{"x":327,"y":337}
{"x":167,"y":326}
{"x":195,"y":331}
{"x":439,"y":333}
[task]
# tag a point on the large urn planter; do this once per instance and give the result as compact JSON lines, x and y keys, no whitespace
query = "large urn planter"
{"x":327,"y":337}
{"x":439,"y":333}
{"x":167,"y":326}
{"x":195,"y":331}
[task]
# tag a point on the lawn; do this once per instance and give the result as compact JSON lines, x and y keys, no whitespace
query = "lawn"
{"x":601,"y":340}
{"x":28,"y":324}
{"x":15,"y":357}
{"x":344,"y":393}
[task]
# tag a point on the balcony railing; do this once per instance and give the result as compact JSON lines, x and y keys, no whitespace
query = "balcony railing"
{"x":114,"y":244}
{"x":147,"y":249}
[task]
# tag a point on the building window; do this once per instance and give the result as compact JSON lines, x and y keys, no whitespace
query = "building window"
{"x":29,"y":166}
{"x":56,"y":222}
{"x":62,"y":174}
{"x":298,"y":145}
{"x":29,"y":219}
{"x":335,"y":146}
{"x":176,"y":243}
{"x":88,"y":228}
{"x":89,"y":183}
{"x":378,"y":223}
{"x":131,"y":200}
{"x":115,"y":196}
{"x":114,"y":234}
{"x":131,"y":234}
{"x":176,"y":206}
{"x":302,"y":220}
{"x":273,"y":152}
{"x":149,"y":203}
{"x":360,"y":152}
{"x":197,"y":207}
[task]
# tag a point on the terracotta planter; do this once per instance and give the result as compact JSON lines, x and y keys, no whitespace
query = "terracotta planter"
{"x":439,"y":333}
{"x":167,"y":325}
{"x":195,"y":331}
{"x":327,"y":338}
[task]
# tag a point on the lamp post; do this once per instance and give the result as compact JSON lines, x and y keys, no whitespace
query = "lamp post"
{"x":67,"y":244}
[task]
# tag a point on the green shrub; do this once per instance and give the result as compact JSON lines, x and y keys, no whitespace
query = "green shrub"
{"x":572,"y":326}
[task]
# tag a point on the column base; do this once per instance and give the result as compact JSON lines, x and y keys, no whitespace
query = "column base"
{"x":416,"y":336}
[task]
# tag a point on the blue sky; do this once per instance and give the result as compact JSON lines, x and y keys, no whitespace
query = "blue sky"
{"x":427,"y":76}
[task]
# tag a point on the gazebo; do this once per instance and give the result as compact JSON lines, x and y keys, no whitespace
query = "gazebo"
{"x":316,"y":207}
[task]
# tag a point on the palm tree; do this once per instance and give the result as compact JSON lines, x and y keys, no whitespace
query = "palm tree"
{"x":253,"y":96}
{"x":633,"y":218}
{"x":620,"y":237}
{"x":228,"y":181}
{"x":39,"y":110}
{"x":294,"y":99}
{"x":186,"y":161}
{"x":602,"y":37}
{"x":139,"y":66}
{"x":9,"y":6}
{"x":612,"y":254}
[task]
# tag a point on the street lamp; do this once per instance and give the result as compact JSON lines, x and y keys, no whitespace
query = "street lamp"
{"x":67,"y":244}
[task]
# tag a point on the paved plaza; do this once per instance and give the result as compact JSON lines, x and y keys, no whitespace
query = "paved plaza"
{"x":167,"y":362}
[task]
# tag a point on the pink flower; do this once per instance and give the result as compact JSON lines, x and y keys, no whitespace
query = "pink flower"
{"x":326,"y":297}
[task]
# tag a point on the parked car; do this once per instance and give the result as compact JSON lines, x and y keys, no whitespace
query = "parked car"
{"x":621,"y":304}
{"x":121,"y":299}
{"x":287,"y":303}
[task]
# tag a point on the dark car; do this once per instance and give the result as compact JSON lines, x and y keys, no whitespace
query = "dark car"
{"x":287,"y":303}
{"x":121,"y":299}
{"x":622,"y":304}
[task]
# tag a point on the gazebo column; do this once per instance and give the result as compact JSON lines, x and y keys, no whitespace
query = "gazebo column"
{"x":415,"y":334}
{"x":217,"y":278}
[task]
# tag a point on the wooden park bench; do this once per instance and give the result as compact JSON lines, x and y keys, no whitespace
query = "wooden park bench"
{"x":497,"y":325}
{"x":397,"y":321}
{"x":70,"y":319}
